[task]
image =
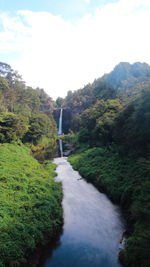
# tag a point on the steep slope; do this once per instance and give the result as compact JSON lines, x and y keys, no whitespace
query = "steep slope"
{"x":30,"y":204}
{"x":30,"y":200}
{"x":32,"y":108}
{"x":128,"y":79}
{"x":125,"y":83}
{"x":112,"y":150}
{"x":124,"y":80}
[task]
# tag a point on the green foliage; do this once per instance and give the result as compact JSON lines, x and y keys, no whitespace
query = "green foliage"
{"x":16,"y":97}
{"x":115,"y":125}
{"x":12,"y":127}
{"x":30,"y":203}
{"x":46,"y":101}
{"x":112,"y":112}
{"x":83,"y":135}
{"x":59,"y":102}
{"x":97,"y":122}
{"x":28,"y":113}
{"x":76,"y":123}
{"x":24,"y":110}
{"x":126,"y":181}
{"x":7,"y":72}
{"x":132,"y":128}
{"x":121,"y":167}
{"x":46,"y":148}
{"x":84,"y":98}
{"x":40,"y":125}
{"x":4,"y":84}
{"x":126,"y":82}
{"x":111,"y":121}
{"x":7,"y":96}
{"x":30,"y":98}
{"x":30,"y":200}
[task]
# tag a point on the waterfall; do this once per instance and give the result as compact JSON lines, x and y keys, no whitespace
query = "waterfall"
{"x":60,"y":122}
{"x":61,"y":147}
{"x":60,"y":132}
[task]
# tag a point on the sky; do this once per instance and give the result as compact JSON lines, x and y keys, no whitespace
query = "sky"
{"x":62,"y":45}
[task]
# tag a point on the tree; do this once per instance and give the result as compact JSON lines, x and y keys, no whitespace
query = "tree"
{"x":76,"y":123}
{"x":7,"y":72}
{"x":39,"y":125}
{"x":59,"y":102}
{"x":12,"y":127}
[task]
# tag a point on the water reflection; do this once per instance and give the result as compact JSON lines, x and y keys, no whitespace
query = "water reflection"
{"x":61,"y":147}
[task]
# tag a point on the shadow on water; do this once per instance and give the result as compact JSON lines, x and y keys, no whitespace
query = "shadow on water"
{"x":42,"y":253}
{"x":48,"y":251}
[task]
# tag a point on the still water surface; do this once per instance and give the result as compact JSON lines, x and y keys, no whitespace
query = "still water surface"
{"x":92,"y":224}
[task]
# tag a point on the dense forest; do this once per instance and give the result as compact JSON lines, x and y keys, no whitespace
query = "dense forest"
{"x":109,"y":122}
{"x":30,"y":200}
{"x":111,"y":125}
{"x":26,"y":114}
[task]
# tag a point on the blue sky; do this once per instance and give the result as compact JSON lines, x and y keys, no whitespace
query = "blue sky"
{"x":62,"y":45}
{"x":69,"y":9}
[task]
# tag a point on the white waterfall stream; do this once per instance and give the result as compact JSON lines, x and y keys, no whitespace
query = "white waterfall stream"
{"x":60,"y":122}
{"x":60,"y":132}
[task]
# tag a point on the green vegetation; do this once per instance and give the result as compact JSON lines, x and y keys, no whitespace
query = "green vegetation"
{"x":112,"y":150}
{"x":12,"y":127}
{"x":30,"y":199}
{"x":125,"y":83}
{"x":26,"y":114}
{"x":110,"y":119}
{"x":30,"y":203}
{"x":126,"y":182}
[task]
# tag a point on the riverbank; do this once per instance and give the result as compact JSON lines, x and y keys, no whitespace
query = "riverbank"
{"x":92,"y":224}
{"x":126,"y":182}
{"x":30,"y":204}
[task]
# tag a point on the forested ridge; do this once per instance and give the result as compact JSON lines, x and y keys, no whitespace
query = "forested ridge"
{"x":30,"y":199}
{"x":112,"y":148}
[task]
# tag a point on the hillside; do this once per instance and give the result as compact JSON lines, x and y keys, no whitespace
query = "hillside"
{"x":112,"y":150}
{"x":30,"y":199}
{"x":110,"y":123}
{"x":126,"y":75}
{"x":26,"y":114}
{"x":128,"y":80}
{"x":30,"y":204}
{"x":125,"y":83}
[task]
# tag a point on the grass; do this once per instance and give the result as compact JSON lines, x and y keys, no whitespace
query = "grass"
{"x":126,"y":180}
{"x":30,"y":203}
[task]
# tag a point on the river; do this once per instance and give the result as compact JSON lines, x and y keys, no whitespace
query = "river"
{"x":92,"y":224}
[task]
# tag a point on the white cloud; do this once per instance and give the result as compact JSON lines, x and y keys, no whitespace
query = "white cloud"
{"x":59,"y":56}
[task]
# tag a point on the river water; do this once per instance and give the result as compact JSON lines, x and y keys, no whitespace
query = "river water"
{"x":92,"y":224}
